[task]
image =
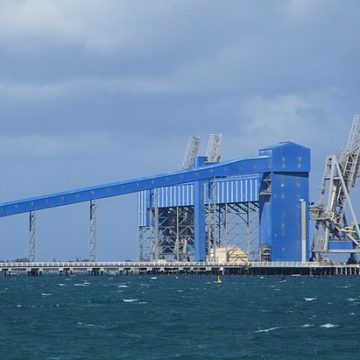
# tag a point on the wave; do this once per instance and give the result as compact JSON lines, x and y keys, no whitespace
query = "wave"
{"x":328,"y":325}
{"x":267,"y":330}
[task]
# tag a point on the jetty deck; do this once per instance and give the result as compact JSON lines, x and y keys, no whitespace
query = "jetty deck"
{"x":162,"y":267}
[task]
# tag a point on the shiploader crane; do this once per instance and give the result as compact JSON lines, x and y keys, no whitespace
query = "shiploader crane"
{"x":334,"y":231}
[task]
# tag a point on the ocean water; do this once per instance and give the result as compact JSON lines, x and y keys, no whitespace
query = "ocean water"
{"x":179,"y":317}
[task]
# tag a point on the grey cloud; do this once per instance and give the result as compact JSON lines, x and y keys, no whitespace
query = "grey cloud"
{"x":91,"y":92}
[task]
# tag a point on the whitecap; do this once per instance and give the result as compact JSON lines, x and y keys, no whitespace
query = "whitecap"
{"x":84,"y":324}
{"x":130,"y":300}
{"x":309,"y":299}
{"x":79,"y":285}
{"x":122,"y":286}
{"x":45,"y":294}
{"x":153,"y":278}
{"x":19,"y":306}
{"x":267,"y":330}
{"x":351,"y":299}
{"x":328,"y":325}
{"x":61,"y":284}
{"x":307,"y":325}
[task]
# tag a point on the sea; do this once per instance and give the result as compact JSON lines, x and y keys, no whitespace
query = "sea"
{"x":179,"y":317}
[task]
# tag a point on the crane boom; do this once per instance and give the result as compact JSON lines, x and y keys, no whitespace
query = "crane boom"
{"x":350,"y":156}
{"x":213,"y":152}
{"x":192,"y":150}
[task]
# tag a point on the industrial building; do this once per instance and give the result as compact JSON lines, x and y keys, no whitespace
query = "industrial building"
{"x":253,"y":209}
{"x":258,"y":206}
{"x":188,"y":212}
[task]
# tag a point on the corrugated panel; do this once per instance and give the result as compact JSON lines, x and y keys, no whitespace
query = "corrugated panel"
{"x":237,"y":190}
{"x":231,"y":190}
{"x":180,"y":195}
{"x":143,"y":205}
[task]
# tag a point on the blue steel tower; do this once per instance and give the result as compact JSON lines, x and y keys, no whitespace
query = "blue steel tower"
{"x":271,"y":190}
{"x":283,"y":189}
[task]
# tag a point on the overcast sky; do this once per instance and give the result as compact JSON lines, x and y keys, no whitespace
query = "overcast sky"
{"x":97,"y":91}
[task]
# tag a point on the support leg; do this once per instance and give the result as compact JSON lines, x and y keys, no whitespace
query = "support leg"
{"x":93,"y":231}
{"x":32,"y":237}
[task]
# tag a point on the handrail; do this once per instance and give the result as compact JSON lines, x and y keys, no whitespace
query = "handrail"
{"x":172,"y":264}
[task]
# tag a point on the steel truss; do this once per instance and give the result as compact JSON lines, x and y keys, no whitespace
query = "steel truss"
{"x":171,"y":233}
{"x":239,"y":226}
{"x":172,"y":239}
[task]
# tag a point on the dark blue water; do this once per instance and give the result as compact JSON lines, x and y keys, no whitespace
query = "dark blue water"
{"x":185,"y":317}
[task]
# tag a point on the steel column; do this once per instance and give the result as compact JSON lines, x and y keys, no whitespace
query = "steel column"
{"x":155,"y":227}
{"x":199,"y":215}
{"x":32,"y":236}
{"x":93,"y":245}
{"x":177,"y":241}
{"x":303,"y":231}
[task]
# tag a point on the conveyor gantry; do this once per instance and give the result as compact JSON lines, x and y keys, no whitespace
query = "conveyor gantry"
{"x":284,"y":170}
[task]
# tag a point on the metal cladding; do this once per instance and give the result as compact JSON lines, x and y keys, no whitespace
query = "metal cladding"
{"x":231,"y":190}
{"x":280,"y":197}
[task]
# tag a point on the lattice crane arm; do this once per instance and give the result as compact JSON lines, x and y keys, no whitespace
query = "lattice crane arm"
{"x":213,"y":152}
{"x":354,"y":136}
{"x":192,"y":150}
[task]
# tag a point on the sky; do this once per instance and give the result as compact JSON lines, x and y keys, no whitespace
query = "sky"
{"x":98,"y":91}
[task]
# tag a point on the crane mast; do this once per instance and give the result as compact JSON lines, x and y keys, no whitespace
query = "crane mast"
{"x":331,"y":223}
{"x":213,"y":152}
{"x":192,"y":150}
